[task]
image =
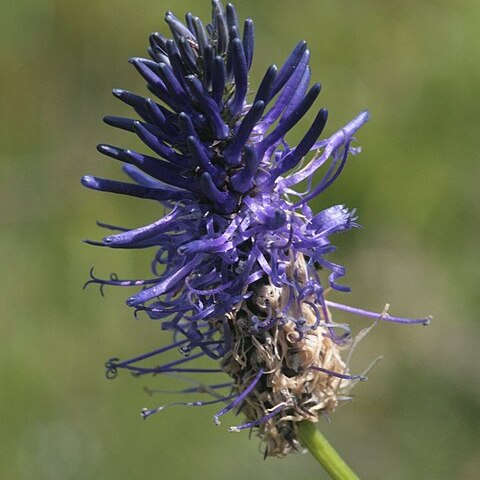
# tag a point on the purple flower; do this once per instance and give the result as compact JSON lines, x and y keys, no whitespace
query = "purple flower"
{"x":239,"y":259}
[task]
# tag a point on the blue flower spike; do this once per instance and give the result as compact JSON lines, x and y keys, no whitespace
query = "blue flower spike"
{"x":240,"y":269}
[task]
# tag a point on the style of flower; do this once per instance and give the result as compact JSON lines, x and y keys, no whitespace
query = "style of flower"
{"x":239,"y":252}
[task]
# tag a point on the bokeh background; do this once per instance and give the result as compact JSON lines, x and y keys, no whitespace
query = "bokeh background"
{"x":415,"y":66}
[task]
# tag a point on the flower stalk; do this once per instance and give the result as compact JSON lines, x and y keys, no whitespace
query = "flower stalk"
{"x":324,"y":453}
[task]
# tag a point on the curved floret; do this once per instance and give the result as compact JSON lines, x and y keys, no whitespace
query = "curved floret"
{"x":238,"y":253}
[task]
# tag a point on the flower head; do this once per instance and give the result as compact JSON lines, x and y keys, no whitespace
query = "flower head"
{"x":239,"y":253}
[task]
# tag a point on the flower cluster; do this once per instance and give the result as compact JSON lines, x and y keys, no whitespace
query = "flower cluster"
{"x":239,"y":252}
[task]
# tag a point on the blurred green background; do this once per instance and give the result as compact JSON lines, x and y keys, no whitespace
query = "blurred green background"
{"x":415,"y":66}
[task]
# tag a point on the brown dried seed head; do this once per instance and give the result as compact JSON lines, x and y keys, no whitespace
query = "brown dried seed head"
{"x":287,"y":357}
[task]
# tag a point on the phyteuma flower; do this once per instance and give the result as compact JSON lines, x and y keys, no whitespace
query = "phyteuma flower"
{"x":239,"y":253}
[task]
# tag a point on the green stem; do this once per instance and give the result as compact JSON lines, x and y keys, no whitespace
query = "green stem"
{"x":319,"y":447}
